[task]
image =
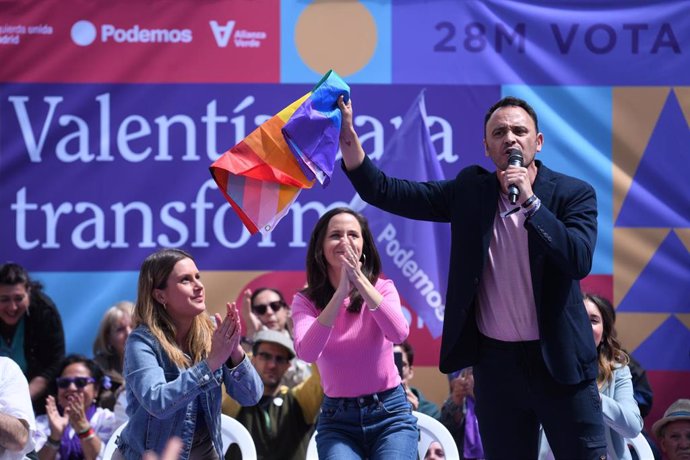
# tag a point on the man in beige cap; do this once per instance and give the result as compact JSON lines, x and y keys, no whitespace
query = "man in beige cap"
{"x":673,"y":431}
{"x":282,"y":423}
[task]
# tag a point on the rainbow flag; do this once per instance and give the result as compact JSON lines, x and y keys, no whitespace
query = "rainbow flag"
{"x":261,"y":177}
{"x":313,"y":131}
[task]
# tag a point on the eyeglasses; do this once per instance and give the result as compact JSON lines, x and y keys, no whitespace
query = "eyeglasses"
{"x":263,"y":356}
{"x":79,"y":382}
{"x":260,"y":309}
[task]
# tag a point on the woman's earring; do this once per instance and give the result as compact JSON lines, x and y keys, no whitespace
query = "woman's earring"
{"x":363,"y":259}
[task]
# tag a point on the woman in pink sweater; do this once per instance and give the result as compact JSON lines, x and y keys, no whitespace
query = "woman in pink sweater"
{"x":347,"y":320}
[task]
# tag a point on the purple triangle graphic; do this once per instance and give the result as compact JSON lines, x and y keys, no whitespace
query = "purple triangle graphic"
{"x":664,"y":284}
{"x":660,"y":192}
{"x":667,"y":348}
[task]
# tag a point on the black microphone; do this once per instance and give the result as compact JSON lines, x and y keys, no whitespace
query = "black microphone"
{"x":514,"y":158}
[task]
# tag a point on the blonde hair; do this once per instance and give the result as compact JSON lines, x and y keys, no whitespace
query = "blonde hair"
{"x":153,"y":275}
{"x":101,"y":346}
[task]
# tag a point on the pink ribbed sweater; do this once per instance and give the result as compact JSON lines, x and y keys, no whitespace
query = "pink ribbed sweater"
{"x":355,"y":356}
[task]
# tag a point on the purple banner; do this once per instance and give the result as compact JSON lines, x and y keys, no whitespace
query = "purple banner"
{"x":545,"y":43}
{"x":414,"y":253}
{"x":94,"y":177}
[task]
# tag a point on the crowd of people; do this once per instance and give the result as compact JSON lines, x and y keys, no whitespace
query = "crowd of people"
{"x":535,"y":368}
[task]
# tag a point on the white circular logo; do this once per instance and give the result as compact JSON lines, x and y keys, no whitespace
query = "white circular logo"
{"x":83,"y":33}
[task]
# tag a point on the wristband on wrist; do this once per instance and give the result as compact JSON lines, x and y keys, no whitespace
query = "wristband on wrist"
{"x":529,"y":201}
{"x":89,"y":433}
{"x":55,"y":444}
{"x":529,"y":212}
{"x":92,"y":435}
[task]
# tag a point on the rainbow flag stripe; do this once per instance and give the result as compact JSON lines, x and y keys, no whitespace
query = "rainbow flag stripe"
{"x":262,"y":175}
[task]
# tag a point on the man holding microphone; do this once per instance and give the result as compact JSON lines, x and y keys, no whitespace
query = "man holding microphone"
{"x":514,"y":308}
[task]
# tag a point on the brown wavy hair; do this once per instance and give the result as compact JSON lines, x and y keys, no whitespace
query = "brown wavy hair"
{"x":319,"y":288}
{"x":153,"y":275}
{"x":610,"y":351}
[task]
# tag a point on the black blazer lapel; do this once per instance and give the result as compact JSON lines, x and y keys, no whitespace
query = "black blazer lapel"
{"x":488,"y":196}
{"x":544,"y":187}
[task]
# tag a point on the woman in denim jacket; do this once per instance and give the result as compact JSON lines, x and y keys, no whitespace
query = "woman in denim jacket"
{"x":176,"y":362}
{"x":619,"y":408}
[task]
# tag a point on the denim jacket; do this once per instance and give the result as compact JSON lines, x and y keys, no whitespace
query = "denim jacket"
{"x":162,"y":398}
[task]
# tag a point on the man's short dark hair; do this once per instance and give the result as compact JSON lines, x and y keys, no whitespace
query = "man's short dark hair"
{"x":512,"y":101}
{"x":409,"y":351}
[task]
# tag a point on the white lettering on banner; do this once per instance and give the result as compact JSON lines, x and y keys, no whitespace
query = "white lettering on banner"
{"x":241,"y":39}
{"x":49,"y":131}
{"x":402,"y":258}
{"x":137,"y":216}
{"x":138,"y":34}
{"x":11,"y":34}
{"x":123,"y":217}
{"x":73,"y":142}
{"x":222,"y":34}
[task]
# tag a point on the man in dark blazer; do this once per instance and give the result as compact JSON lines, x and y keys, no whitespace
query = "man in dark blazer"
{"x":514,"y":309}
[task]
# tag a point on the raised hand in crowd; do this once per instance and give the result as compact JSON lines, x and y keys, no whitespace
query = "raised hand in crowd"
{"x":462,"y":386}
{"x":251,"y":322}
{"x":58,"y":423}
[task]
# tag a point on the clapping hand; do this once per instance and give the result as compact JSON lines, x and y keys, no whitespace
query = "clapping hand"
{"x":76,"y":411}
{"x":226,"y":338}
{"x":58,"y":423}
{"x":351,"y":263}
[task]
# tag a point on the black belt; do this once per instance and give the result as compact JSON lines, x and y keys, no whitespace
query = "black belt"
{"x":366,"y":400}
{"x":509,"y":346}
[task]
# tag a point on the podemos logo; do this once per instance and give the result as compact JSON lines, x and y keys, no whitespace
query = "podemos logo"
{"x":85,"y":33}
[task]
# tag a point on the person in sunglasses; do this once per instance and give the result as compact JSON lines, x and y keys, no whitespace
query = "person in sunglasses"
{"x":266,"y":309}
{"x":347,"y":320}
{"x":177,"y":359}
{"x":283,"y":421}
{"x":74,"y":427}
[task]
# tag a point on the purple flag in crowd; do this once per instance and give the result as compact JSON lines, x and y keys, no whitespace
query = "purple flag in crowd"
{"x":414,"y":253}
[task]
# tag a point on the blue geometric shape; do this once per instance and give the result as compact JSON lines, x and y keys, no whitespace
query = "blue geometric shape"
{"x":577,"y":126}
{"x":661,"y":353}
{"x":660,"y":192}
{"x":664,"y":284}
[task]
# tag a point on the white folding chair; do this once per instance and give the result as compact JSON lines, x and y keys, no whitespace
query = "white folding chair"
{"x":233,"y":432}
{"x":640,"y":445}
{"x":312,"y":453}
{"x":111,"y":446}
{"x":430,"y":430}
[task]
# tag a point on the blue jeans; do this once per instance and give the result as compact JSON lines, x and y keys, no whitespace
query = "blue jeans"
{"x":376,"y":426}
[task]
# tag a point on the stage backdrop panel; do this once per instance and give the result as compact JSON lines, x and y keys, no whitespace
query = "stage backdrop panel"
{"x":110,"y":115}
